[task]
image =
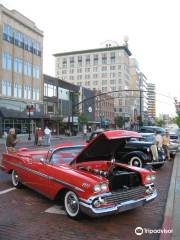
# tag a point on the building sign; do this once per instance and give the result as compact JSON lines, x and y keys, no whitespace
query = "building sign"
{"x":63,"y":93}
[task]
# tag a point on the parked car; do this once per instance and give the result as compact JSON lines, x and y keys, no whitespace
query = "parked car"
{"x":139,"y":151}
{"x":174,"y":145}
{"x":87,"y":179}
{"x":152,"y":129}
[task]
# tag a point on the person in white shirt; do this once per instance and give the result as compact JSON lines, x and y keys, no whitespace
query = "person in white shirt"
{"x":47,"y":133}
{"x":159,"y":139}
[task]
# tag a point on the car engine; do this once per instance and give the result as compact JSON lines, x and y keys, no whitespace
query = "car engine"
{"x":119,"y":178}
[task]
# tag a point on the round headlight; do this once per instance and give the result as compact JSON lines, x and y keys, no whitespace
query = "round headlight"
{"x":104,"y":186}
{"x":150,"y":178}
{"x":97,"y":188}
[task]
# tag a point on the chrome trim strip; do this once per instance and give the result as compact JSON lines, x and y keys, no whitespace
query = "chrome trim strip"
{"x":154,"y":163}
{"x":45,"y":176}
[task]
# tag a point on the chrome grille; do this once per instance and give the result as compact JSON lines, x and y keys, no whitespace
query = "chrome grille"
{"x":126,"y":195}
{"x":154,"y":152}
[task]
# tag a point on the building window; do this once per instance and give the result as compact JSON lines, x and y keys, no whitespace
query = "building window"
{"x":113,"y":59}
{"x":15,"y":90}
{"x":19,"y":39}
{"x":104,"y":82}
{"x":95,"y":69}
{"x":113,"y":81}
{"x":71,"y":77}
{"x":104,"y":58}
{"x":95,"y":59}
{"x":6,"y":61}
{"x":8,"y":33}
{"x":19,"y":66}
{"x":79,"y":61}
{"x":29,"y":69}
{"x":95,"y":75}
{"x":79,"y":77}
{"x":112,"y":75}
{"x":79,"y":70}
{"x":88,"y":60}
{"x":64,"y":63}
{"x":87,"y":76}
{"x":71,"y":61}
{"x":36,"y":72}
{"x":104,"y":75}
{"x":87,"y":69}
{"x":9,"y":88}
{"x":35,"y":94}
{"x":30,"y":45}
{"x":25,"y":68}
{"x":95,"y":83}
{"x":104,"y":68}
{"x":4,"y":87}
{"x":112,"y":68}
{"x":50,"y":90}
{"x":3,"y":60}
{"x":87,"y":83}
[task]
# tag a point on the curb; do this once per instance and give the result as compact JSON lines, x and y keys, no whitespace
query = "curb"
{"x":168,"y":216}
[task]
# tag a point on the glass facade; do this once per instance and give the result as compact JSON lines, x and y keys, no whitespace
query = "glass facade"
{"x":21,"y":40}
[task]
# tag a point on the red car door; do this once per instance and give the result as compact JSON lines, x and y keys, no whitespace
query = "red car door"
{"x":38,"y":177}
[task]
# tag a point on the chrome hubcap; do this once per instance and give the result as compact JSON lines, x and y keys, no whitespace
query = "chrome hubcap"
{"x":15,"y":178}
{"x":72,"y":204}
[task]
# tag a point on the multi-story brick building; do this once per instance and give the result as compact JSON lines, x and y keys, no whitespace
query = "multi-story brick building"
{"x":104,"y":109}
{"x":21,"y":81}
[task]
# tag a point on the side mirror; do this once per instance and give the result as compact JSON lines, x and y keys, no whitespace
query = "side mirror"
{"x":42,"y":160}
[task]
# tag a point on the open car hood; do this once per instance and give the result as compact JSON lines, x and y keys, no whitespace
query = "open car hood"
{"x":104,"y":145}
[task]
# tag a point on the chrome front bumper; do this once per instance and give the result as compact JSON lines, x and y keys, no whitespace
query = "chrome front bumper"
{"x":154,"y":162}
{"x":91,"y":211}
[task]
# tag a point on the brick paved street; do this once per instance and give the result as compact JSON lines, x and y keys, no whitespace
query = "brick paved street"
{"x":23,"y":216}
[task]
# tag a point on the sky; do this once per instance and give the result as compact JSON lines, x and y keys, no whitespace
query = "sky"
{"x":151,"y":25}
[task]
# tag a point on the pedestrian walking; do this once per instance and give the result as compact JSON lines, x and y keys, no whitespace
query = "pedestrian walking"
{"x":165,"y":144}
{"x":39,"y":136}
{"x":159,"y":139}
{"x":47,"y":133}
{"x":11,"y":140}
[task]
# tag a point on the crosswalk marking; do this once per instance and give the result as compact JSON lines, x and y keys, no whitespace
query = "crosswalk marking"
{"x":56,"y":209}
{"x":7,"y":190}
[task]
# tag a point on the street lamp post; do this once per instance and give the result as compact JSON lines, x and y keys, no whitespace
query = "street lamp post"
{"x":29,"y":109}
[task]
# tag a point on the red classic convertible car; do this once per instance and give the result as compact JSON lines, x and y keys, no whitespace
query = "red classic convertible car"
{"x":87,"y":179}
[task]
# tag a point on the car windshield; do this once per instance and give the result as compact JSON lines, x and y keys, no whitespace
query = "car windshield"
{"x":148,"y":138}
{"x":65,"y":155}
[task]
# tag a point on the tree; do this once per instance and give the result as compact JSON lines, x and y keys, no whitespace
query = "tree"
{"x":119,"y":121}
{"x":159,"y":122}
{"x":177,"y":120}
{"x":83,"y":119}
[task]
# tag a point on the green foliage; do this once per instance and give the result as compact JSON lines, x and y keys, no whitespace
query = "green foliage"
{"x":83,"y":119}
{"x":177,"y":120}
{"x":159,"y":122}
{"x":119,"y":121}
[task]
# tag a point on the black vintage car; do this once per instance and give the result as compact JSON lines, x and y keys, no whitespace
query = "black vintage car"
{"x":137,"y":152}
